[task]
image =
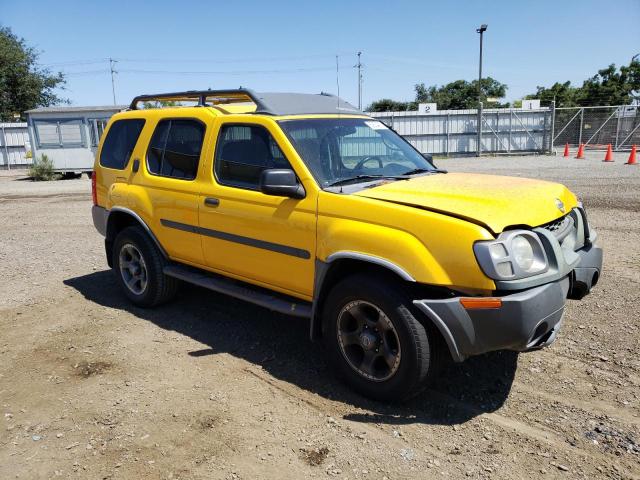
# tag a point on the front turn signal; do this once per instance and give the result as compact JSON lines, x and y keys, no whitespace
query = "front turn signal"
{"x":479,"y":303}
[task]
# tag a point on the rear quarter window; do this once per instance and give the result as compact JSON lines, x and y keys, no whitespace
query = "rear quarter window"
{"x":119,"y":144}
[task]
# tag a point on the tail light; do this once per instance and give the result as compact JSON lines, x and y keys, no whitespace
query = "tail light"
{"x":94,"y":193}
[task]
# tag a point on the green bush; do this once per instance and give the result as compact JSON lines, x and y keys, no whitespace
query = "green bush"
{"x":42,"y":169}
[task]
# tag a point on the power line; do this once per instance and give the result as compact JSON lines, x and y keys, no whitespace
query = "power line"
{"x":230,"y":60}
{"x":227,"y":72}
{"x":86,"y":72}
{"x":75,"y":62}
{"x":197,"y":60}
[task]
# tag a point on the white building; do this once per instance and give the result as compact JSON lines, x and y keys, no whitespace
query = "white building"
{"x":69,"y":136}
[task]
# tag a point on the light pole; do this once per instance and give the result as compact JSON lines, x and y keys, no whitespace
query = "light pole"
{"x":481,"y":30}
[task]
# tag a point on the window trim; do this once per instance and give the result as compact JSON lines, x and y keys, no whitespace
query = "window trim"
{"x":215,"y":154}
{"x":56,"y":121}
{"x":146,"y":153}
{"x":124,"y":167}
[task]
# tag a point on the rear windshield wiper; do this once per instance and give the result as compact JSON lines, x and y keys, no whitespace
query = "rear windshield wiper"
{"x":416,"y":171}
{"x":344,"y":181}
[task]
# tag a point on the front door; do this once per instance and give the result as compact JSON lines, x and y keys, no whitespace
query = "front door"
{"x":264,"y":239}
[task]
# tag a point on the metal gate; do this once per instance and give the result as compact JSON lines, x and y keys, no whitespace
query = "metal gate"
{"x":14,"y":145}
{"x":598,"y":127}
{"x":445,"y":132}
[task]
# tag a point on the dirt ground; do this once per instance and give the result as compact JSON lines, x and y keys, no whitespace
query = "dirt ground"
{"x":209,"y":387}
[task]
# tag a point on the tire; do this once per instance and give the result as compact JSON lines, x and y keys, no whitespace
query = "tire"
{"x":138,"y":265}
{"x":348,"y":339}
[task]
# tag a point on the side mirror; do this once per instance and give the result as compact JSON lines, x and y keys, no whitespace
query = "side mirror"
{"x":281,"y":182}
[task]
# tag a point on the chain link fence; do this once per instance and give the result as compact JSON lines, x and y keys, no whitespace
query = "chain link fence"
{"x":598,"y":127}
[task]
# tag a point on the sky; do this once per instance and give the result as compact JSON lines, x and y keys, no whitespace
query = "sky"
{"x":163,"y":45}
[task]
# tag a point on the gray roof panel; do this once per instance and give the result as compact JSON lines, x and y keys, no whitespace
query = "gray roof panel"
{"x":304,"y":103}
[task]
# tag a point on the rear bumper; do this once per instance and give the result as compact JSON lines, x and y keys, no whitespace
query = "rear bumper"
{"x":527,"y":320}
{"x":100,"y":216}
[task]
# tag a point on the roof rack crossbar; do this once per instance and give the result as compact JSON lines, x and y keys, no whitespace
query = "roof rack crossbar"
{"x":201,"y":96}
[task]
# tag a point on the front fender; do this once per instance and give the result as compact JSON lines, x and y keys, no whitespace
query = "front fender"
{"x":432,"y":248}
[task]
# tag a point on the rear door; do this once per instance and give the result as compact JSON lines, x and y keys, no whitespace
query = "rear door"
{"x":165,"y":189}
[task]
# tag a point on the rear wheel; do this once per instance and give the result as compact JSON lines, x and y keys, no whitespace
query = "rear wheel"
{"x":375,"y":341}
{"x":138,"y":265}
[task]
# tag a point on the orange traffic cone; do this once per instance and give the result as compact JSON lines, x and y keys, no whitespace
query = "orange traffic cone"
{"x":609,"y":156}
{"x":566,"y":150}
{"x":580,"y":151}
{"x":632,"y":156}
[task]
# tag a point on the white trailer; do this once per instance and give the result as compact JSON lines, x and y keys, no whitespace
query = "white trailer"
{"x":69,"y":136}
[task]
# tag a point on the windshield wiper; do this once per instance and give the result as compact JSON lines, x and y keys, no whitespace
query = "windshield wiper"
{"x":362,"y":177}
{"x":402,"y":176}
{"x":416,"y":171}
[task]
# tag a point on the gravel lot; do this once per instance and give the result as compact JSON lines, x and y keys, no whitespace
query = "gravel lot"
{"x":209,"y":387}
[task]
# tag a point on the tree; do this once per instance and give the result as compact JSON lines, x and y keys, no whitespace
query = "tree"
{"x":459,"y":94}
{"x":388,"y":105}
{"x":563,"y":93}
{"x":608,"y":87}
{"x":160,"y":104}
{"x":23,"y":83}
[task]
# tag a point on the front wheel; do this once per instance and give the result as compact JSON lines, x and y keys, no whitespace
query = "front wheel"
{"x":138,"y":265}
{"x":375,"y":341}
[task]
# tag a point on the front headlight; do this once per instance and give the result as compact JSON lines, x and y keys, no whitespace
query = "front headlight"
{"x":513,"y":255}
{"x":522,"y":252}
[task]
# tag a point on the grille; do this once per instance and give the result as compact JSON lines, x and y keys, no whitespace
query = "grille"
{"x":559,"y":228}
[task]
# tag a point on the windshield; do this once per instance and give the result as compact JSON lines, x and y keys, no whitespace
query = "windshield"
{"x":337,"y":149}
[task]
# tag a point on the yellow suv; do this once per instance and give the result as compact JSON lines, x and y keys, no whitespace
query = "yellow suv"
{"x":306,"y":206}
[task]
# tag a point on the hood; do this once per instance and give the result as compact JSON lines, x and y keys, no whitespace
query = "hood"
{"x":494,"y":201}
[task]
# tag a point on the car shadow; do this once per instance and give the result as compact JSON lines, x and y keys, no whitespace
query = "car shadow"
{"x":281,"y":346}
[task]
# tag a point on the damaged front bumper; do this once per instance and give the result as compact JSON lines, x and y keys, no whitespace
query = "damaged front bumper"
{"x":526,"y":320}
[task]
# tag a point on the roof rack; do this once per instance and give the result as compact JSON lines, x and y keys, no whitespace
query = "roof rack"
{"x":266,"y":103}
{"x":207,"y":97}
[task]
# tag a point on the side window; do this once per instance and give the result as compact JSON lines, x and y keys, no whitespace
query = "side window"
{"x":174,"y":150}
{"x":243,"y":152}
{"x":120,"y":142}
{"x":62,"y":133}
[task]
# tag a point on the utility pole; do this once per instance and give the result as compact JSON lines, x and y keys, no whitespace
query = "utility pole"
{"x":481,"y":30}
{"x":359,"y":67}
{"x":112,"y":64}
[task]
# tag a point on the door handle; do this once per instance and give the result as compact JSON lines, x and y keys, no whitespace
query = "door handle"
{"x":211,"y":202}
